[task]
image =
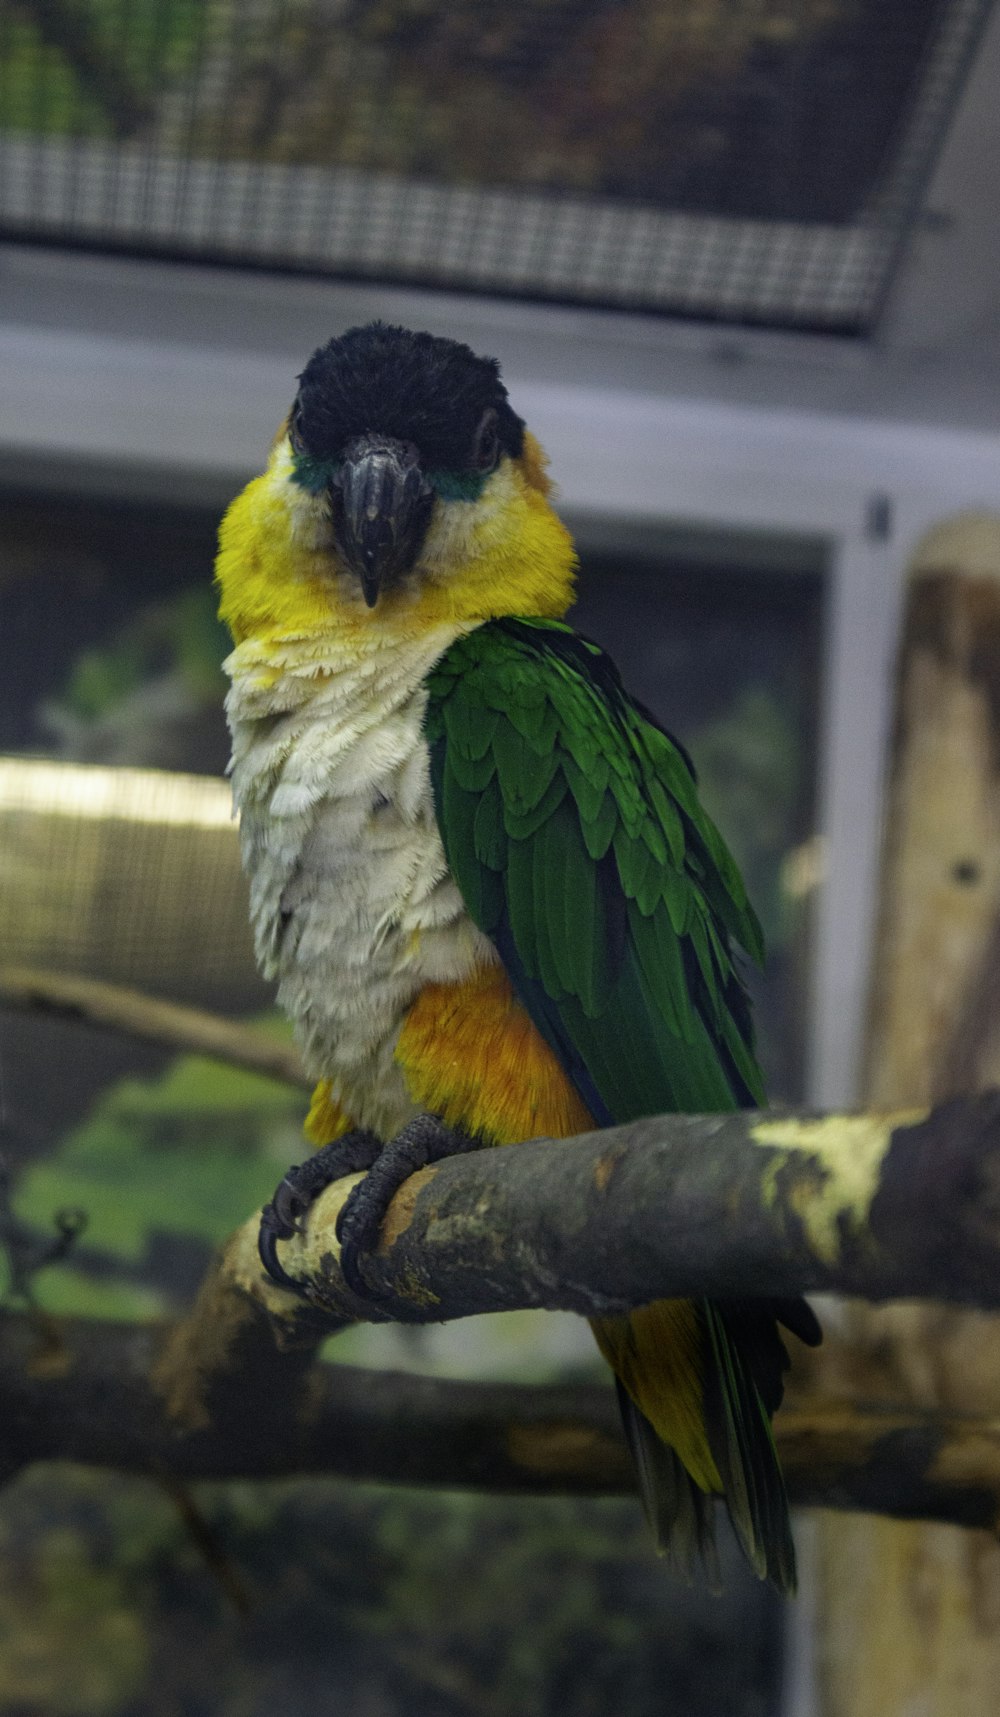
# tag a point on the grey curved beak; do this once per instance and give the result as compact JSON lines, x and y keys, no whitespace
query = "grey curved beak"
{"x":381,"y":503}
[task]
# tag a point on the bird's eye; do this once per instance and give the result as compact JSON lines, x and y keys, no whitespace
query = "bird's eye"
{"x":295,"y":429}
{"x":486,"y":446}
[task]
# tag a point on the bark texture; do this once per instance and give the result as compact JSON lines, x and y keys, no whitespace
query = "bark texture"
{"x":738,"y":1204}
{"x":910,"y":1616}
{"x":721,"y":1206}
{"x":105,"y":1394}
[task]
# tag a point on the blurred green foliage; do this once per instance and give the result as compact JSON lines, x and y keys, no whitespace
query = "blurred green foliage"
{"x":184,"y":1157}
{"x":151,"y":694}
{"x":735,"y":107}
{"x":94,"y":69}
{"x":384,"y":1603}
{"x":183,"y":636}
{"x":750,"y":763}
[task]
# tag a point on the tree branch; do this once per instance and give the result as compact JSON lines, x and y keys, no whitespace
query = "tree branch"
{"x":111,"y":1007}
{"x":747,"y":1204}
{"x":89,"y":1391}
{"x":897,"y":1206}
{"x":679,"y":1206}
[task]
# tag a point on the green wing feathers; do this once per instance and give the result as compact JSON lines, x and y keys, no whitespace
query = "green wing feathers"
{"x":572,"y":826}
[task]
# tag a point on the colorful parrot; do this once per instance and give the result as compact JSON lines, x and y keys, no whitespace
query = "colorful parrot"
{"x":479,"y":870}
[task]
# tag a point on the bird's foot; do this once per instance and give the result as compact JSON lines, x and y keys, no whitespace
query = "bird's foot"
{"x":300,"y":1188}
{"x":423,"y":1141}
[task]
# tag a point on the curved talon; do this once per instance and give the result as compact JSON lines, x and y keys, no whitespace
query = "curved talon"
{"x":422,"y":1141}
{"x":288,"y":1206}
{"x":351,"y":1273}
{"x":272,"y":1230}
{"x":354,"y":1246}
{"x":298,"y":1189}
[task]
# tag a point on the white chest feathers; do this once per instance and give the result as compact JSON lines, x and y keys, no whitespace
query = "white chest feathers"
{"x":352,"y":904}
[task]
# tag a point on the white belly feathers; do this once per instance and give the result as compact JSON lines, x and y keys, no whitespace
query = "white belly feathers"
{"x":352,"y":905}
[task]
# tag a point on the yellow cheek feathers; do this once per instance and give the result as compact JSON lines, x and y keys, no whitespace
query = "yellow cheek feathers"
{"x":270,"y":586}
{"x":510,"y":554}
{"x":534,"y":464}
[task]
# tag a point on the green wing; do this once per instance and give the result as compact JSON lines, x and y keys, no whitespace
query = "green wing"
{"x":571,"y":824}
{"x":572,"y":827}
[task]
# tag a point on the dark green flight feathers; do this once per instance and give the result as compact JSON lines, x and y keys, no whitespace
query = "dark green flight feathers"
{"x":573,"y":829}
{"x":572,"y":826}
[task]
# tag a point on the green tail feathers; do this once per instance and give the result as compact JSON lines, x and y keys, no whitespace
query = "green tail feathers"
{"x":679,"y":1512}
{"x":739,"y":1433}
{"x":742,"y":1362}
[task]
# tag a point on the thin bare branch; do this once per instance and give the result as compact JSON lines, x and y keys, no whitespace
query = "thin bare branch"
{"x":111,"y":1007}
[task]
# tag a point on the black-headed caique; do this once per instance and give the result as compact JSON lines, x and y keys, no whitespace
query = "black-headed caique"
{"x":478,"y":869}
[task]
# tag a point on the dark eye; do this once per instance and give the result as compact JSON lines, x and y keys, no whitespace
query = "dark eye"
{"x":486,"y":446}
{"x":295,"y":429}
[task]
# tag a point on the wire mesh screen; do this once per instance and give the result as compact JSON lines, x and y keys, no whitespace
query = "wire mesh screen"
{"x":752,"y":160}
{"x":130,"y":875}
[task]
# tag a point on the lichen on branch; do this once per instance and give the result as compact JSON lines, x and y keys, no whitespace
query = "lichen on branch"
{"x":883,"y":1206}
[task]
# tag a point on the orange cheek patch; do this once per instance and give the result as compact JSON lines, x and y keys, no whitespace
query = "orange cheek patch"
{"x":470,"y":1054}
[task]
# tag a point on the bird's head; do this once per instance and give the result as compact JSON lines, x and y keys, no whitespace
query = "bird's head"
{"x":402,"y":490}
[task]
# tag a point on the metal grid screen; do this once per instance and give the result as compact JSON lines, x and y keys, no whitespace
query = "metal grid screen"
{"x":130,"y":875}
{"x":749,"y":160}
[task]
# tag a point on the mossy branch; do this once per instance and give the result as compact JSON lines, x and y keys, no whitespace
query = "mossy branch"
{"x":93,"y":1392}
{"x":879,"y":1206}
{"x":746,"y":1204}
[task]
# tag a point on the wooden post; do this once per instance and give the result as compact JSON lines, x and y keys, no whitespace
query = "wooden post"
{"x":908,"y":1615}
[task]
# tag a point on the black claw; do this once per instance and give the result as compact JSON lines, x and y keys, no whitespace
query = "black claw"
{"x":298,"y":1189}
{"x":352,"y":1249}
{"x":272,"y":1229}
{"x":425,"y":1140}
{"x":288,"y":1206}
